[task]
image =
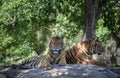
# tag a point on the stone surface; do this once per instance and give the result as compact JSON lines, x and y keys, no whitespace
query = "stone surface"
{"x":65,"y":71}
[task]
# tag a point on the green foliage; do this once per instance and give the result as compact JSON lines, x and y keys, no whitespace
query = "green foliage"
{"x":18,"y":30}
{"x":111,"y":15}
{"x":102,"y":32}
{"x":24,"y":25}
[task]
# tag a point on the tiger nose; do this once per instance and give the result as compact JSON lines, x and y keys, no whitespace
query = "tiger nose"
{"x":99,"y":53}
{"x":56,"y":49}
{"x":102,"y":50}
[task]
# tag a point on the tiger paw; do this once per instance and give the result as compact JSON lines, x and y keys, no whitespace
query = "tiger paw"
{"x":47,"y":68}
{"x":61,"y":65}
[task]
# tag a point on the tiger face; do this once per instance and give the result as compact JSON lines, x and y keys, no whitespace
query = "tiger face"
{"x":97,"y":47}
{"x":56,"y":44}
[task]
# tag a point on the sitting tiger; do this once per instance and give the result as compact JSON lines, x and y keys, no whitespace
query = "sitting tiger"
{"x":82,"y":52}
{"x":56,"y":55}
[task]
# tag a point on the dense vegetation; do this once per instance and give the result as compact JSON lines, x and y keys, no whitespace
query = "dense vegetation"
{"x":25,"y":24}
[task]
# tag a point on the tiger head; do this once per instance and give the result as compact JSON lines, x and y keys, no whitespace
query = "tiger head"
{"x":97,"y":47}
{"x":56,"y":44}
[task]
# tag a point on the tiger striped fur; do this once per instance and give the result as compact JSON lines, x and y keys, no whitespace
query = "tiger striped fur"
{"x":81,"y":53}
{"x":56,"y":55}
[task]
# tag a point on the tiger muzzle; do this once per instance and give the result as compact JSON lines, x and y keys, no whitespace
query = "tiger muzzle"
{"x":56,"y":51}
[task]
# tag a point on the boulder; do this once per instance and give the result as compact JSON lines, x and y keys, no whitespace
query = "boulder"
{"x":64,"y":71}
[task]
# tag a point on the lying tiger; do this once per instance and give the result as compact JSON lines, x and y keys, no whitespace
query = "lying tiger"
{"x":56,"y":55}
{"x":82,"y":52}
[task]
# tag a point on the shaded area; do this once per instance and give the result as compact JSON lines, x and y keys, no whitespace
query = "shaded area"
{"x":65,"y":71}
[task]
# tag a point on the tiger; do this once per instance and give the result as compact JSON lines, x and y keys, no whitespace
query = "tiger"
{"x":81,"y":53}
{"x":55,"y":55}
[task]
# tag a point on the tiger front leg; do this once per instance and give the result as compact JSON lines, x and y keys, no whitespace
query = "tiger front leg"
{"x":62,"y":61}
{"x":46,"y":64}
{"x":94,"y":62}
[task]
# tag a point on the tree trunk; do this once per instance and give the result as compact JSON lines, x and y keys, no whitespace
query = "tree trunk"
{"x":91,"y":16}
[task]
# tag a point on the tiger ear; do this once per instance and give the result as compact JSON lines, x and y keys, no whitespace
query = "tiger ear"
{"x":93,"y":41}
{"x":96,"y":38}
{"x":62,"y":37}
{"x":48,"y":38}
